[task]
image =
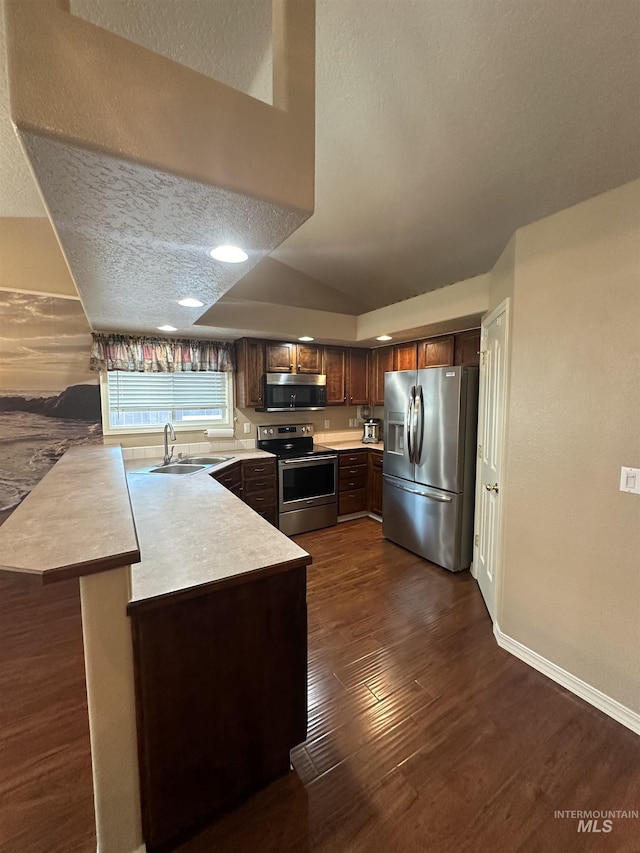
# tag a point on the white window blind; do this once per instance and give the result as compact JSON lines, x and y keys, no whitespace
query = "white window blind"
{"x":143,"y":400}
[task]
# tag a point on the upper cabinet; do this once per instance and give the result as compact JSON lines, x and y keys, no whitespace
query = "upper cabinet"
{"x":467,"y":348}
{"x":355,"y":376}
{"x":405,"y":356}
{"x":380,"y":362}
{"x":293,"y":358}
{"x":250,"y":368}
{"x":436,"y":352}
{"x":335,"y":366}
{"x":358,"y":377}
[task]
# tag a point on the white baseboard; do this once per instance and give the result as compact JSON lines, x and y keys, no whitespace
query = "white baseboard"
{"x":585,"y":691}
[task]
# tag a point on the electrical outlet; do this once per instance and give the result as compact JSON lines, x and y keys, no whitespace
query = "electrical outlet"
{"x":247,"y":428}
{"x":327,"y":424}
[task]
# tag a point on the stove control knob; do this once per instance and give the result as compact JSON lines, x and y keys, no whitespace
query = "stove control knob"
{"x":270,"y":432}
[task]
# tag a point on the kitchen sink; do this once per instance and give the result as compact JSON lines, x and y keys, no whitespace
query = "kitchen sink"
{"x":202,"y":460}
{"x":176,"y":468}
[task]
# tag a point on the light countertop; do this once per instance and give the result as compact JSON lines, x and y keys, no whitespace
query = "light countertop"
{"x":181,"y":535}
{"x":76,"y":521}
{"x":352,"y":445}
{"x":194,"y":534}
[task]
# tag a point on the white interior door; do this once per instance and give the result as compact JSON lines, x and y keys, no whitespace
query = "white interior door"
{"x":491,"y":422}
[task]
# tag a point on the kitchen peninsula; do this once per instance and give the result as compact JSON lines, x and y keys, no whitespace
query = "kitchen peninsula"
{"x":217,"y":612}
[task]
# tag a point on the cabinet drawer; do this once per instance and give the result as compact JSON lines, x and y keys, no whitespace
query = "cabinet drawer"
{"x":352,"y":501}
{"x":353,"y":481}
{"x":352,"y":457}
{"x":260,"y":484}
{"x":259,"y":468}
{"x":229,"y":477}
{"x":352,"y":471}
{"x":260,"y":500}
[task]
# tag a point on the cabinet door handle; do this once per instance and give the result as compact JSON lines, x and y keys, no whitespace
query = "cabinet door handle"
{"x":299,"y":367}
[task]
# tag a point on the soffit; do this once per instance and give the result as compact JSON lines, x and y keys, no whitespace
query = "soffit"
{"x":441,"y":127}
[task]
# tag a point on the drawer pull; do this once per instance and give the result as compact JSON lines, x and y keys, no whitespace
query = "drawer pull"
{"x":258,"y":470}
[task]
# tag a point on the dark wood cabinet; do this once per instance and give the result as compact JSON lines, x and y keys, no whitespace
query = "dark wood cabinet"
{"x":221,"y":696}
{"x":436,"y":352}
{"x":467,"y":348}
{"x":354,"y":376}
{"x":250,"y":370}
{"x":260,"y":488}
{"x":380,"y":362}
{"x":358,"y":384}
{"x":293,"y":358}
{"x":308,"y":359}
{"x":280,"y":357}
{"x":254,"y":481}
{"x":375,"y":482}
{"x":405,"y":356}
{"x":335,"y":367}
{"x":352,"y":481}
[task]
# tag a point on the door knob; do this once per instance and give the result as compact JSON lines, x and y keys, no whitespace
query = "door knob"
{"x":492,"y":488}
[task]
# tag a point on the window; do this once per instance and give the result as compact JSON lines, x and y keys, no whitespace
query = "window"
{"x":146,"y":401}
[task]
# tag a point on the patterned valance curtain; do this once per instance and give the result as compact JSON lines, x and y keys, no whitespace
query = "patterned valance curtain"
{"x":159,"y":355}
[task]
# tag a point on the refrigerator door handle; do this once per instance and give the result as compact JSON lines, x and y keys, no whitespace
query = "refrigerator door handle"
{"x":410,"y":422}
{"x":443,"y":499}
{"x":420,"y":412}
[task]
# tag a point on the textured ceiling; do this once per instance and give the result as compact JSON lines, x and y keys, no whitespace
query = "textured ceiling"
{"x":105,"y":211}
{"x":442,"y":125}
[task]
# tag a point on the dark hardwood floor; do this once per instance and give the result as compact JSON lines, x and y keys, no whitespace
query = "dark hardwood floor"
{"x":423,"y":734}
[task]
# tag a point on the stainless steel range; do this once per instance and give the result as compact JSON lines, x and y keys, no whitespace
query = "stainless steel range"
{"x":307,"y":477}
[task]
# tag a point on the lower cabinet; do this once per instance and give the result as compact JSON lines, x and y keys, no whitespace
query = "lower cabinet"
{"x":352,"y":481}
{"x":253,"y":481}
{"x":260,"y":488}
{"x":221,"y":697}
{"x":375,"y":482}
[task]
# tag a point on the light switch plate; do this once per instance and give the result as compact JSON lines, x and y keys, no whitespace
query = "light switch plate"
{"x":327,"y":424}
{"x":630,"y":480}
{"x":247,"y":428}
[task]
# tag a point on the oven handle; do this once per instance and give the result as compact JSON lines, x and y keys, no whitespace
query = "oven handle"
{"x":307,"y":460}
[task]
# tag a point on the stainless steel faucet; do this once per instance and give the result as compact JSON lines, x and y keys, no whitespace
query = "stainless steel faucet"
{"x":168,"y":430}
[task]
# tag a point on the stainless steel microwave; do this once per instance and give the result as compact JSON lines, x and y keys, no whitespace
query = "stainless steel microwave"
{"x":287,"y":392}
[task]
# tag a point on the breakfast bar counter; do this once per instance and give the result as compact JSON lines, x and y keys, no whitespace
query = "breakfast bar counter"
{"x":194,"y":628}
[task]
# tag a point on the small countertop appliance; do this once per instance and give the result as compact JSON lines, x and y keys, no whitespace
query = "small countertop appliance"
{"x":371,"y":431}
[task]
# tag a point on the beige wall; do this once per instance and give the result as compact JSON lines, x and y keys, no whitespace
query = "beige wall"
{"x":31,"y":260}
{"x":571,"y":576}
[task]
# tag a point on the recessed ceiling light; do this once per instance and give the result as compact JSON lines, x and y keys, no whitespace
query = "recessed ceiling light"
{"x":305,"y":339}
{"x":168,"y":328}
{"x":228,"y":254}
{"x":190,"y":302}
{"x":384,"y":338}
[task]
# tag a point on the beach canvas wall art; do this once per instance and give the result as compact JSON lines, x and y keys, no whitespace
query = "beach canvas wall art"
{"x":49,"y":400}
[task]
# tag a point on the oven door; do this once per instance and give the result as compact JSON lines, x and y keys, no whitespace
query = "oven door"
{"x":307,"y":481}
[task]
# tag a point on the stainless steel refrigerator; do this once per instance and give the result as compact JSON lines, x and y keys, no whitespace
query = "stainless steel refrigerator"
{"x":430,"y":428}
